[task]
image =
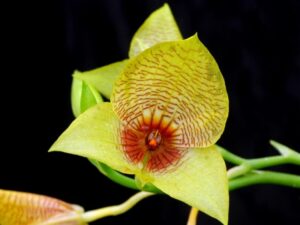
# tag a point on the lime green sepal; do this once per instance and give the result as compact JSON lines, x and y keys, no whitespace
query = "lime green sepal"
{"x":160,"y":26}
{"x":95,"y":135}
{"x":83,"y":96}
{"x":102,"y":78}
{"x":200,"y":181}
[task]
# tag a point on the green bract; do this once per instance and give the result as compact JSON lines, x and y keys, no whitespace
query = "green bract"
{"x":168,"y":107}
{"x":83,"y":95}
{"x":102,"y":78}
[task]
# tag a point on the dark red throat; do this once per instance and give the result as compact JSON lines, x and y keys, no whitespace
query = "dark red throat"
{"x":153,"y":140}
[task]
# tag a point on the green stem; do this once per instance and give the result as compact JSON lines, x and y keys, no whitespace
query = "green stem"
{"x":230,"y":157}
{"x":122,"y":179}
{"x":269,"y":161}
{"x":239,"y":176}
{"x":114,"y":175}
{"x":96,"y":214}
{"x":260,"y":163}
{"x":265,"y":177}
{"x":238,"y":171}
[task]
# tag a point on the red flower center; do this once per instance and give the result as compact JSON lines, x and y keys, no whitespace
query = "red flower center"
{"x":152,"y":142}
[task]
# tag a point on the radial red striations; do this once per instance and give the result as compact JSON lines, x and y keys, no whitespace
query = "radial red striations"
{"x":152,"y":140}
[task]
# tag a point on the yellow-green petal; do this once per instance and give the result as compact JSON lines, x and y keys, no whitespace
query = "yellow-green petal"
{"x":103,"y":77}
{"x":200,"y":181}
{"x":19,"y":208}
{"x":160,"y":26}
{"x":95,"y":134}
{"x":76,"y":89}
{"x":181,"y":84}
{"x":83,"y":96}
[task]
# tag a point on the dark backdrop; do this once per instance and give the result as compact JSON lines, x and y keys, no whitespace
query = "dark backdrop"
{"x":257,"y":46}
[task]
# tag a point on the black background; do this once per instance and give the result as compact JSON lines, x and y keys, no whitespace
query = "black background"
{"x":256,"y":44}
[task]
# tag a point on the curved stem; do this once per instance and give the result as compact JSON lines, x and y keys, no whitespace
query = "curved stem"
{"x":265,"y":177}
{"x":240,"y":176}
{"x":122,"y":179}
{"x":114,"y":175}
{"x":192,"y":220}
{"x":230,"y":157}
{"x":238,"y":171}
{"x":274,"y":161}
{"x":260,"y":163}
{"x":268,"y":161}
{"x":96,"y":214}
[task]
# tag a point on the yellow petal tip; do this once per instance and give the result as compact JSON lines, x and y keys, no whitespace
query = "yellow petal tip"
{"x":159,"y":27}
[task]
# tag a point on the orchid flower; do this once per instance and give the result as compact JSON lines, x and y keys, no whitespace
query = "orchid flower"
{"x":20,"y":208}
{"x":168,"y":108}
